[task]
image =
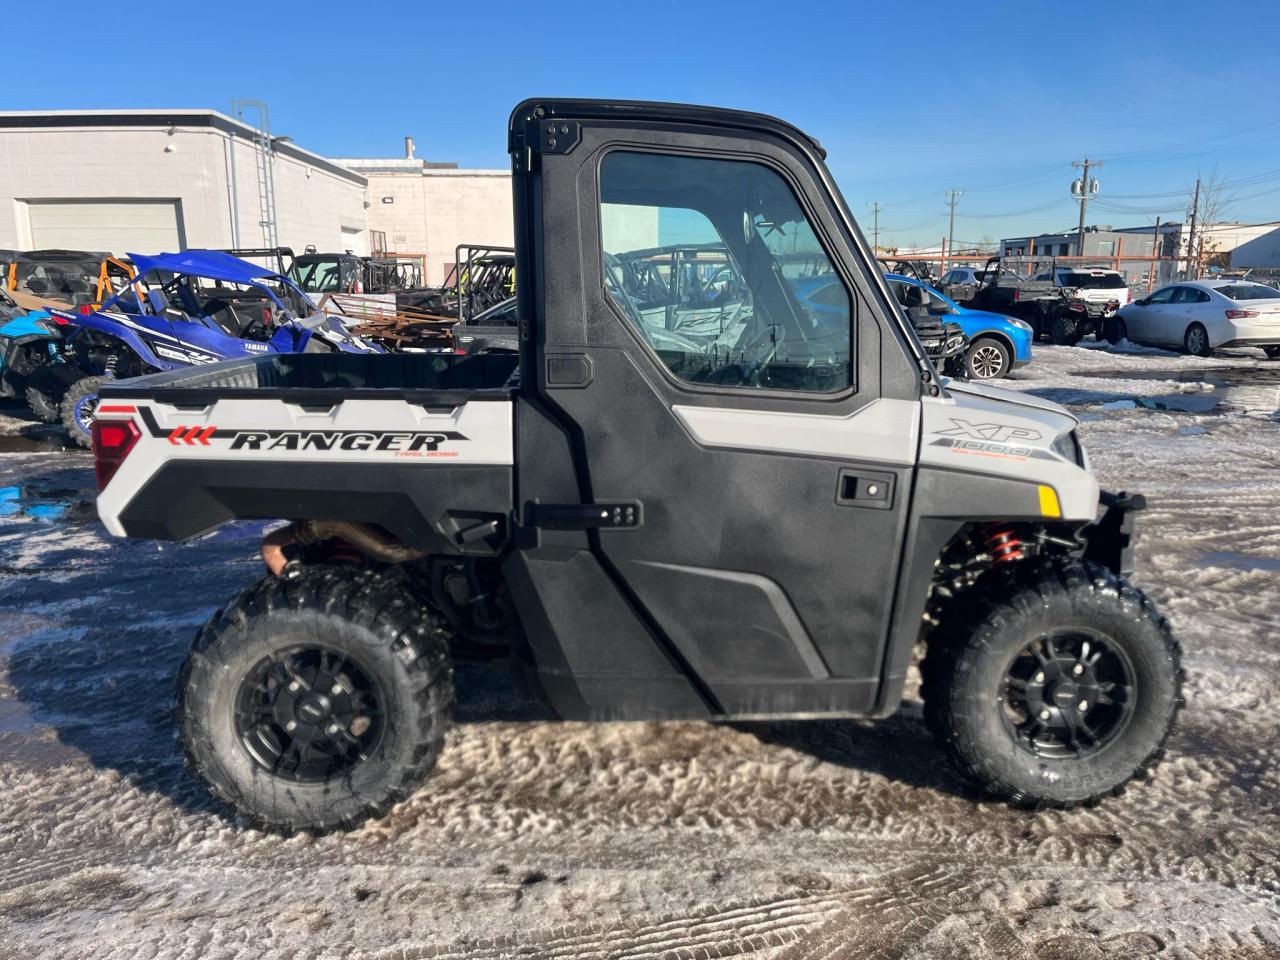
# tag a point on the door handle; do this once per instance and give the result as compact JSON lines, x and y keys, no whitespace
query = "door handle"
{"x":865,"y":488}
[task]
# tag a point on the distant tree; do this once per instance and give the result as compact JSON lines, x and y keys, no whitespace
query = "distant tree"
{"x":1213,"y":202}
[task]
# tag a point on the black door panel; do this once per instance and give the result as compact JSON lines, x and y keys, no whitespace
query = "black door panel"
{"x":746,"y":574}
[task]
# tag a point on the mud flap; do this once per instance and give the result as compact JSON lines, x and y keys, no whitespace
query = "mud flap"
{"x":1110,"y":540}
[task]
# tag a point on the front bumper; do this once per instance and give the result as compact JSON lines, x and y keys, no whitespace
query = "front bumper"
{"x":1110,"y":540}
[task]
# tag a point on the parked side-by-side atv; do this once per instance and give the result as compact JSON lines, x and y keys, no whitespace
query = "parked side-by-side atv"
{"x":186,"y":309}
{"x":754,"y":498}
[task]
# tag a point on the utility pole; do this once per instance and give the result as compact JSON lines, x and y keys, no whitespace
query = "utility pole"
{"x":953,"y":196}
{"x":1086,"y":190}
{"x":875,"y":232}
{"x":1157,"y":250}
{"x":1191,"y":236}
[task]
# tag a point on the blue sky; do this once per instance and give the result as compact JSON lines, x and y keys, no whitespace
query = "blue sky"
{"x":910,"y":99}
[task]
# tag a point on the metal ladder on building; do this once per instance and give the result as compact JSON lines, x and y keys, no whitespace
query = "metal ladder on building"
{"x":264,"y":156}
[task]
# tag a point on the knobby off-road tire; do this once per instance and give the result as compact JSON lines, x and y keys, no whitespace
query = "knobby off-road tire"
{"x":973,"y":704}
{"x":374,"y":685}
{"x":47,"y":408}
{"x":78,"y":404}
{"x":1064,"y":329}
{"x":46,"y":387}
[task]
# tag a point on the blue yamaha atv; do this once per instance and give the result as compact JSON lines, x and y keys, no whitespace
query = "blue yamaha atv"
{"x":182,"y":309}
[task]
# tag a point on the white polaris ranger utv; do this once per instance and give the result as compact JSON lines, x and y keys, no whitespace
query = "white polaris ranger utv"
{"x":733,"y":488}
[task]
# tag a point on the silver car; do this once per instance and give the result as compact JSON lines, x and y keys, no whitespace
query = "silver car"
{"x":1200,"y":316}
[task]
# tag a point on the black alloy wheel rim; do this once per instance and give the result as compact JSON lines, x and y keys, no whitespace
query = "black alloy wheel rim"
{"x":1067,"y":694}
{"x":309,"y":714}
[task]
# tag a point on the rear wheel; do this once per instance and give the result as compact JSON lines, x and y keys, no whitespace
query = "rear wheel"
{"x":1053,"y":685}
{"x":1196,"y":341}
{"x":1113,"y":330}
{"x":987,"y":359}
{"x":316,"y":701}
{"x":78,"y":406}
{"x":1064,"y":329}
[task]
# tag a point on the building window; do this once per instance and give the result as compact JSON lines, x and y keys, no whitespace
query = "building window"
{"x":716,"y":266}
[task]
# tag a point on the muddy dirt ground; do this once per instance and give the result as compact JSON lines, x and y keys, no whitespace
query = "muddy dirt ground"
{"x":543,"y":839}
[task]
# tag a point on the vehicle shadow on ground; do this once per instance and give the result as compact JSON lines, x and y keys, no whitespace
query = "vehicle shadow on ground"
{"x":898,"y":748}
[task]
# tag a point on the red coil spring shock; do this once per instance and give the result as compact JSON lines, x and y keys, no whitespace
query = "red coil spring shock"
{"x":1002,"y":543}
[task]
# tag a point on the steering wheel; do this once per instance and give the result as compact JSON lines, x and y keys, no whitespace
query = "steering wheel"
{"x":613,"y":283}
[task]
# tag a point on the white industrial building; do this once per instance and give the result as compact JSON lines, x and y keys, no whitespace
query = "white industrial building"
{"x":429,"y":209}
{"x":147,"y":181}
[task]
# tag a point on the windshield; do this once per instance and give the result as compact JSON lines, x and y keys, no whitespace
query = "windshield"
{"x":75,"y":281}
{"x":318,"y":276}
{"x":1094,"y":281}
{"x":1249,"y":291}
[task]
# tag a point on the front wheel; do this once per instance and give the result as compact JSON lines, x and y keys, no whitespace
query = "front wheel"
{"x":1273,"y":353}
{"x":316,"y":701}
{"x":1053,"y":685}
{"x":1196,"y":341}
{"x":78,"y":406}
{"x":1112,"y":330}
{"x":46,"y":407}
{"x":987,"y":359}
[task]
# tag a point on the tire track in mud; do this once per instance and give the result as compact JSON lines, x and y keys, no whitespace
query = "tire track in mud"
{"x":1186,"y":861}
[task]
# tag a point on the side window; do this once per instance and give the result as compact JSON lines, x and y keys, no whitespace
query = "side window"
{"x":1183,"y":295}
{"x":1202,"y":296}
{"x":1162,"y":296}
{"x":716,"y":266}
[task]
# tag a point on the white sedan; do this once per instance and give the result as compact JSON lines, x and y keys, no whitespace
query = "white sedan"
{"x":1200,"y":316}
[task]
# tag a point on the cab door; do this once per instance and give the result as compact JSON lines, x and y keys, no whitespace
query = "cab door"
{"x":743,"y":432}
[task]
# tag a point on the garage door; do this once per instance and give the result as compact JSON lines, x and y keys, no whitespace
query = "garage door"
{"x":114,"y":226}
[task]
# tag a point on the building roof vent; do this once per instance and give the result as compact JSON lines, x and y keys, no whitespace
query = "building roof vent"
{"x":408,"y":148}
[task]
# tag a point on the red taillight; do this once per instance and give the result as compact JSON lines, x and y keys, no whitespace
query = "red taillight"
{"x":1241,"y":314}
{"x":112,"y":441}
{"x":460,"y":351}
{"x":1017,"y":295}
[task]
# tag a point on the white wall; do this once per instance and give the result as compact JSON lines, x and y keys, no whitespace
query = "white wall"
{"x":312,"y":205}
{"x":433,"y":211}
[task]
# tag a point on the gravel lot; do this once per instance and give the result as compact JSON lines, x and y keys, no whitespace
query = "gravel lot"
{"x":538,"y":838}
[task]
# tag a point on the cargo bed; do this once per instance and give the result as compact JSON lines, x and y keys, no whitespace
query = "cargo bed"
{"x":381,"y":438}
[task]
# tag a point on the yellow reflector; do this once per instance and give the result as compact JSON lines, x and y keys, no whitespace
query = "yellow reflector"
{"x":1049,"y":506}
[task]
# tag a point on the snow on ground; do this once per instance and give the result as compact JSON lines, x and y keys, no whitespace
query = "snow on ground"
{"x":543,"y":839}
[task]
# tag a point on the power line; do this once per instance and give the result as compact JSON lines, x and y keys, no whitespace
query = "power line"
{"x":1127,"y":156}
{"x":1015,"y":213}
